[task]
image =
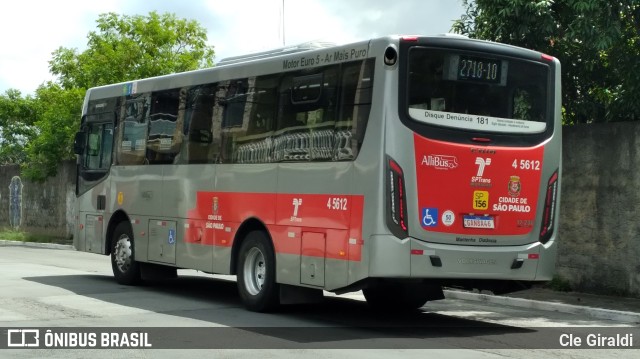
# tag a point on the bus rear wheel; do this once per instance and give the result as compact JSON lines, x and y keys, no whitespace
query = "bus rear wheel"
{"x":256,"y":270}
{"x":397,"y":296}
{"x":125,"y":268}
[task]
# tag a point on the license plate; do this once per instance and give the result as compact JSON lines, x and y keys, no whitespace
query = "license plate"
{"x":478,"y":222}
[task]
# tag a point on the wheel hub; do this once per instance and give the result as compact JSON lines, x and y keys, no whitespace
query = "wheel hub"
{"x":123,"y":254}
{"x":255,"y":271}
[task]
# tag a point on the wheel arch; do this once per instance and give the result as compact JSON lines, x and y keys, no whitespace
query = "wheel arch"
{"x":117,"y":217}
{"x":248,"y":226}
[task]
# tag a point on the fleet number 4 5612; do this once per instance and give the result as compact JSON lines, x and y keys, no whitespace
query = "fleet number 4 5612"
{"x":533,"y":165}
{"x":337,"y":203}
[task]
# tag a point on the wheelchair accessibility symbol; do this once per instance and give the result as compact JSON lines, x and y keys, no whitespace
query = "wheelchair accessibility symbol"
{"x":429,"y":217}
{"x":172,"y":236}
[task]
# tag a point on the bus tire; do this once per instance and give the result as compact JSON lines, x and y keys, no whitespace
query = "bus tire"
{"x":125,"y":268}
{"x":396,"y":297}
{"x":256,"y":270}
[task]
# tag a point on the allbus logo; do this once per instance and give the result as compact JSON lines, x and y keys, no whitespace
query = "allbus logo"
{"x":441,"y":162}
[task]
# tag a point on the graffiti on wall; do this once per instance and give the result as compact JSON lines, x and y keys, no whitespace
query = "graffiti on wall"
{"x":15,"y":202}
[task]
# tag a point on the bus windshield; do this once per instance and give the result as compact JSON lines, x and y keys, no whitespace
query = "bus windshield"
{"x":477,"y":91}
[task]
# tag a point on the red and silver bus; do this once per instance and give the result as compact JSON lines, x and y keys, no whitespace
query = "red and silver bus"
{"x":396,"y":166}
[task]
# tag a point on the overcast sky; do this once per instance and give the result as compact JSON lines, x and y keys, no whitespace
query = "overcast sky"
{"x":31,"y":30}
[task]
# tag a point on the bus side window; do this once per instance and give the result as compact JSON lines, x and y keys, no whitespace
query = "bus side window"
{"x":132,"y":141}
{"x":199,"y":144}
{"x":92,"y":158}
{"x":263,"y":107}
{"x":306,"y":116}
{"x":231,"y":112}
{"x":355,"y":106}
{"x":99,"y":146}
{"x":255,"y":145}
{"x":107,"y":146}
{"x":234,"y":102}
{"x":161,"y":144}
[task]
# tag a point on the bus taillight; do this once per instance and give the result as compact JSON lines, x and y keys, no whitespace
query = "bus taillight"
{"x":549,"y":209}
{"x":396,"y":199}
{"x":410,"y":38}
{"x":547,"y":57}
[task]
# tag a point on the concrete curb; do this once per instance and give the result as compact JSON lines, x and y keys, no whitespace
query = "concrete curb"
{"x":598,"y":313}
{"x":37,"y":245}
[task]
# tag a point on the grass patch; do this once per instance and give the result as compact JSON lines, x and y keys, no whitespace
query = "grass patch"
{"x":22,"y":236}
{"x":559,"y":284}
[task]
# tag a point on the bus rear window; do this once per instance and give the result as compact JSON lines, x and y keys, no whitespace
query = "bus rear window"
{"x":480,"y":92}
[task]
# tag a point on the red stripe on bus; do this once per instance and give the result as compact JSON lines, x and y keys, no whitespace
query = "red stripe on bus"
{"x":317,"y":225}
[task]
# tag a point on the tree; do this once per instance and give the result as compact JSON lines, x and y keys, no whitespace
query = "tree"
{"x":126,"y":47}
{"x":57,"y":122}
{"x":123,"y":48}
{"x":17,"y":118}
{"x":596,"y":41}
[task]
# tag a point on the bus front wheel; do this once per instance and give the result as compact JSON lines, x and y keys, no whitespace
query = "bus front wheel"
{"x":257,"y":273}
{"x":125,"y":268}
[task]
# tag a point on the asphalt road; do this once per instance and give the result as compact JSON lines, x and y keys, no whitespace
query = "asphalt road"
{"x":64,"y":290}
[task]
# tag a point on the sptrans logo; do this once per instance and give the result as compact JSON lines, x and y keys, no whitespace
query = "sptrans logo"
{"x":478,"y":180}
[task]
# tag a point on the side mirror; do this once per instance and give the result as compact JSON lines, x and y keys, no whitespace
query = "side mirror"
{"x":79,"y":143}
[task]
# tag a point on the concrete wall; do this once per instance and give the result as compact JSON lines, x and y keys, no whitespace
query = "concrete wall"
{"x":39,"y":208}
{"x":599,"y":248}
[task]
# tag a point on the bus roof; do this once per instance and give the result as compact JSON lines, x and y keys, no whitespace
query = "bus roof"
{"x":262,"y":61}
{"x":311,"y":45}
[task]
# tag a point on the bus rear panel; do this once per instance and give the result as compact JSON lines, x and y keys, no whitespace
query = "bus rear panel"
{"x":472,"y":165}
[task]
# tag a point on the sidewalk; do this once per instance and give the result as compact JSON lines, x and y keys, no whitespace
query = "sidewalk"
{"x":620,"y":309}
{"x":581,"y":299}
{"x":4,"y":242}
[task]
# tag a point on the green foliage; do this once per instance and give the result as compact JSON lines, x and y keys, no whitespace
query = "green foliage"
{"x":58,"y":114}
{"x":126,"y":48}
{"x":9,"y":234}
{"x":123,"y":48}
{"x":596,"y":41}
{"x":17,"y":117}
